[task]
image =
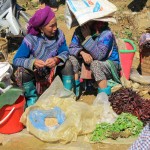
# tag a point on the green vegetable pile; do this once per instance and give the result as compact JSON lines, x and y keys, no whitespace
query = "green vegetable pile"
{"x":125,"y":125}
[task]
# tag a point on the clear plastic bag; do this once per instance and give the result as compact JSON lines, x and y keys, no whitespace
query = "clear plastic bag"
{"x":81,"y":118}
{"x":101,"y":99}
{"x":108,"y":114}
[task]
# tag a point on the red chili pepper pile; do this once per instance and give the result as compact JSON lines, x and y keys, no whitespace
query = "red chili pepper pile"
{"x":126,"y":100}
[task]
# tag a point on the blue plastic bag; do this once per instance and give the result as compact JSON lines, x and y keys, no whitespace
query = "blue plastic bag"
{"x":37,"y":118}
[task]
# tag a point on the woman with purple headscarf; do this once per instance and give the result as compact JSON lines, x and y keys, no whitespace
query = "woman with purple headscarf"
{"x":42,"y":55}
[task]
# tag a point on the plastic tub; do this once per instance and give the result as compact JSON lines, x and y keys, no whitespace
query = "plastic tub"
{"x":10,"y":117}
{"x":126,"y":57}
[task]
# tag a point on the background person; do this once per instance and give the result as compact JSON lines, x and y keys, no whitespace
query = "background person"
{"x":52,"y":3}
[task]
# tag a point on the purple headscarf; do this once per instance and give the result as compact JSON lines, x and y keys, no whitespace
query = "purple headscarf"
{"x":41,"y":18}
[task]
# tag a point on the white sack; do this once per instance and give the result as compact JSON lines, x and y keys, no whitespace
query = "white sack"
{"x":81,"y":11}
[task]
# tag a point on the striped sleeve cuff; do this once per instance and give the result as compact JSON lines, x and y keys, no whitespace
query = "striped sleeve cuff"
{"x":28,"y":63}
{"x":88,"y":43}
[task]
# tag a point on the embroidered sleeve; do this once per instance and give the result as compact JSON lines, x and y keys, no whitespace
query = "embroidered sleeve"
{"x":63,"y":52}
{"x":101,"y":46}
{"x":75,"y":47}
{"x":22,"y":57}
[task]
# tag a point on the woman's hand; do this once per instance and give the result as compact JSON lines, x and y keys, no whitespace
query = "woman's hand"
{"x":85,"y":30}
{"x":52,"y":62}
{"x":39,"y":63}
{"x":86,"y":57}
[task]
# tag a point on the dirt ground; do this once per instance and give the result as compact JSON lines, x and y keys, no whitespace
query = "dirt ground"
{"x":132,"y":17}
{"x":26,"y":141}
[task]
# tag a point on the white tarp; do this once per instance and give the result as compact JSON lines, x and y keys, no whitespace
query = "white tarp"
{"x":81,"y":11}
{"x":5,"y":73}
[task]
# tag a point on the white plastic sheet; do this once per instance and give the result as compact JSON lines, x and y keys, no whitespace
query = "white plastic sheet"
{"x":82,"y":11}
{"x":5,"y":73}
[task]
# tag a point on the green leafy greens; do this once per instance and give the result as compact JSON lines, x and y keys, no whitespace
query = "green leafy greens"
{"x":125,"y":125}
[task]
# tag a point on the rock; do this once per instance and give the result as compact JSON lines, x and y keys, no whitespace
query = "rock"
{"x":134,"y":38}
{"x":126,"y":83}
{"x":116,"y":88}
{"x":135,"y":85}
{"x":142,"y":93}
{"x":136,"y":90}
{"x":134,"y":13}
{"x":126,"y":13}
{"x":146,"y":96}
{"x":137,"y":55}
{"x":131,"y":27}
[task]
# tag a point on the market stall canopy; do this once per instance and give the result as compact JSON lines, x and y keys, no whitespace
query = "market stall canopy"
{"x":78,"y":12}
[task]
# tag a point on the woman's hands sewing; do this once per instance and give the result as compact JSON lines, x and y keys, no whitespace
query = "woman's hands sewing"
{"x":86,"y":57}
{"x":39,"y":63}
{"x":50,"y":62}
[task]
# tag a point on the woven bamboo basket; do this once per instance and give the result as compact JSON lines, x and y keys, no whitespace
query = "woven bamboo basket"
{"x":145,"y":62}
{"x":4,"y":47}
